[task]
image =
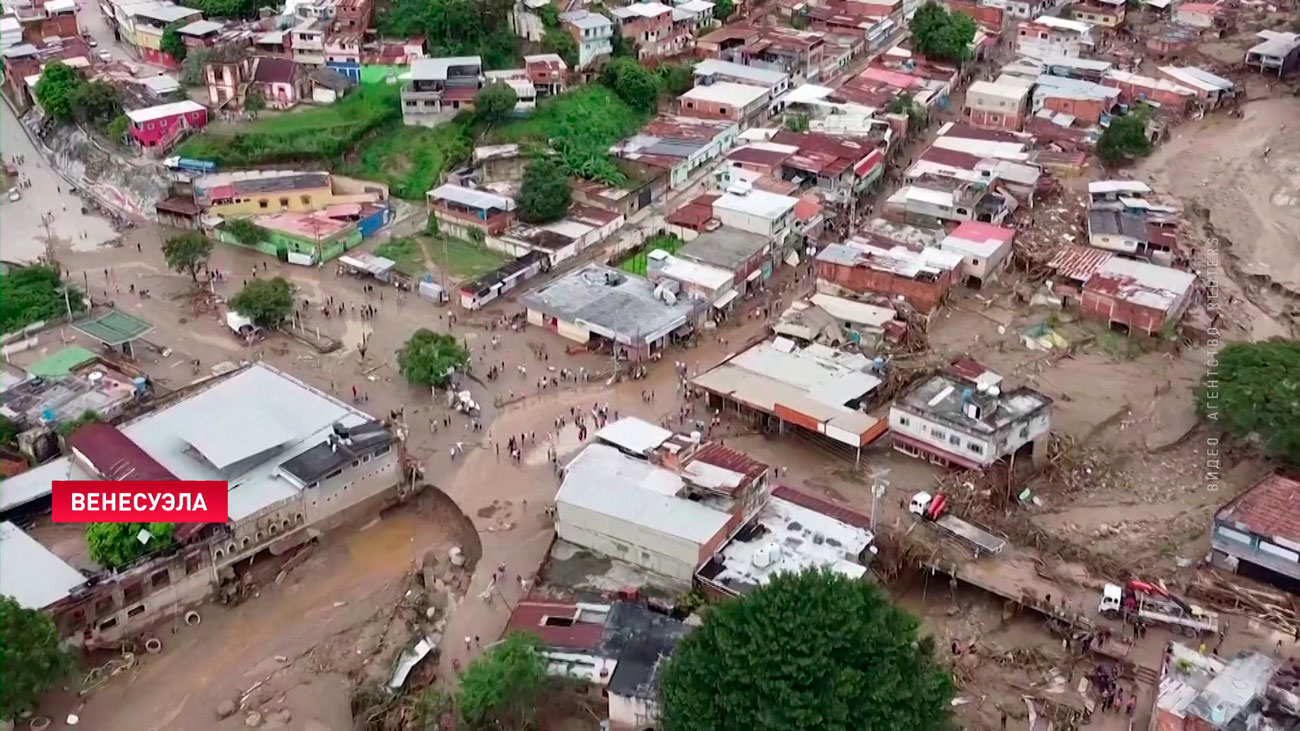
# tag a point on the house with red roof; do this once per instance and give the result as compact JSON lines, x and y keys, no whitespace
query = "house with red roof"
{"x":985,"y":249}
{"x":1257,"y":534}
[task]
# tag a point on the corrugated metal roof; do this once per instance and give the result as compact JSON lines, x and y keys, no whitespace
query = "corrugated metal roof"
{"x":30,"y":573}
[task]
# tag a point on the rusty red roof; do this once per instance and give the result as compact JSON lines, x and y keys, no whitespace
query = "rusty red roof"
{"x":557,"y":624}
{"x":1079,"y":262}
{"x":951,"y":158}
{"x":967,"y":369}
{"x":691,"y":216}
{"x":114,"y":456}
{"x":758,"y":155}
{"x":967,"y":132}
{"x":730,"y":459}
{"x":1270,"y":507}
{"x":842,"y":513}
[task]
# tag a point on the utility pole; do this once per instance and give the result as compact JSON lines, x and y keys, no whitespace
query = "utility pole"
{"x":879,"y":485}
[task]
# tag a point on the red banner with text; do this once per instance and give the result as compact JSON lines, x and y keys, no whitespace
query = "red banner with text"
{"x":162,"y":501}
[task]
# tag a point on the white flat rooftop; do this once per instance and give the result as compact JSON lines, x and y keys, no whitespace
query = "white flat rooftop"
{"x":726,"y":92}
{"x":30,"y":573}
{"x":795,"y":539}
{"x":603,"y":480}
{"x":634,"y":435}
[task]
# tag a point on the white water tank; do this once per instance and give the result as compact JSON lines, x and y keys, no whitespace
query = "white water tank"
{"x":766,"y":555}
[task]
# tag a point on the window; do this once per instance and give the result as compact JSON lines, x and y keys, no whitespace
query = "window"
{"x":974,"y":262}
{"x":108,"y":624}
{"x":135,"y":611}
{"x":334,"y":474}
{"x":193,"y":562}
{"x":284,"y":202}
{"x":722,"y":110}
{"x":262,"y":203}
{"x":954,"y":440}
{"x":133,"y":592}
{"x":937,"y":432}
{"x":306,"y":200}
{"x":1024,"y":432}
{"x":903,"y":421}
{"x":160,"y":579}
{"x":976,"y":447}
{"x":103,"y":606}
{"x":558,"y":622}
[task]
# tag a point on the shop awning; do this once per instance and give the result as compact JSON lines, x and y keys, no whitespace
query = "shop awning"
{"x":725,"y":299}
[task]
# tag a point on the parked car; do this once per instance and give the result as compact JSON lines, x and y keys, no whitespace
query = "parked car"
{"x":14,"y":195}
{"x":91,"y":42}
{"x":105,"y":56}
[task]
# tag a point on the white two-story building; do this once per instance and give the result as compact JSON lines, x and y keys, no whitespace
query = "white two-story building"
{"x":963,"y":417}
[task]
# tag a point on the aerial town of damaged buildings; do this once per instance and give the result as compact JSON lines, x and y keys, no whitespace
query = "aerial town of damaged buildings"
{"x":851,"y":308}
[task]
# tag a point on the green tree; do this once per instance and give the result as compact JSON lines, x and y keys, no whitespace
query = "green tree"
{"x":32,"y":294}
{"x":192,"y":66}
{"x":116,"y":129}
{"x":796,"y":122}
{"x":31,"y":655}
{"x":455,"y":27}
{"x":55,"y":90}
{"x":118,"y":545}
{"x":429,"y":358}
{"x":1124,"y":139}
{"x":621,"y":47}
{"x":1256,"y":390}
{"x":502,"y":687}
{"x":8,"y":435}
{"x":95,"y":103}
{"x":723,"y":9}
{"x":544,"y":194}
{"x":431,"y":226}
{"x":636,"y":85}
{"x":269,"y":302}
{"x":813,"y":651}
{"x":905,"y":104}
{"x":676,"y":78}
{"x":940,"y":35}
{"x":494,"y":101}
{"x":254,"y":101}
{"x":173,"y":45}
{"x":188,"y":253}
{"x":559,"y":42}
{"x":245,"y":231}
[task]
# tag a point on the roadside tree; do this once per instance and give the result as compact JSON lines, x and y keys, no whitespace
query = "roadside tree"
{"x":429,"y":358}
{"x":502,"y":687}
{"x":31,"y":654}
{"x":269,"y":302}
{"x":188,"y":253}
{"x":813,"y":651}
{"x":245,"y":231}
